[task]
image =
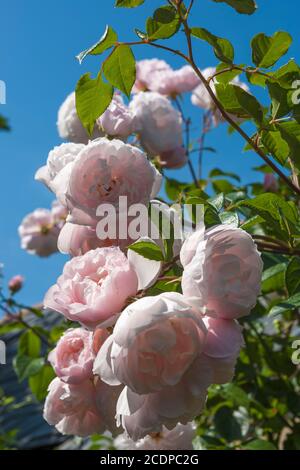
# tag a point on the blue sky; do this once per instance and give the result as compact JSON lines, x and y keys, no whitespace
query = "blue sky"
{"x":39,"y":41}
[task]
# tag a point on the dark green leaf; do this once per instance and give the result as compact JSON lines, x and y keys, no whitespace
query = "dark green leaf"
{"x":148,"y":250}
{"x":226,"y":94}
{"x":129,"y":3}
{"x":229,"y":75}
{"x":25,"y":366}
{"x":247,"y":7}
{"x":249,"y":103}
{"x":93,"y":96}
{"x":273,"y":278}
{"x":29,"y":344}
{"x":223,"y":48}
{"x":259,"y":444}
{"x":108,"y":40}
{"x":292,"y":276}
{"x":164,"y":24}
{"x":217,"y":172}
{"x":119,"y":69}
{"x":39,"y":383}
{"x":291,"y":303}
{"x":267,"y":50}
{"x":275,"y":145}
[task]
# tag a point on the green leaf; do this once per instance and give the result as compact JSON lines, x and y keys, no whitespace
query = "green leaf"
{"x":230,"y":218}
{"x":129,"y":3}
{"x":292,"y":276}
{"x":29,"y":344}
{"x":108,"y":40}
{"x":217,"y":172}
{"x":39,"y":383}
{"x":291,"y":303}
{"x":223,"y":48}
{"x":229,"y":75}
{"x":259,"y":444}
{"x":249,"y":103}
{"x":164,"y":24}
{"x":290,"y":132}
{"x":226,"y":424}
{"x":226,"y":94}
{"x":4,"y":124}
{"x":267,"y":50}
{"x":25,"y":366}
{"x":93,"y":96}
{"x":119,"y":69}
{"x":246,"y":7}
{"x":273,"y":278}
{"x":274,"y":210}
{"x":174,"y":188}
{"x":279,"y":97}
{"x":275,"y":145}
{"x":147,"y":249}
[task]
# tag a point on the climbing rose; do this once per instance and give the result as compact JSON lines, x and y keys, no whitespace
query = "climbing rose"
{"x":69,"y":125}
{"x":154,"y":342}
{"x":73,"y":357}
{"x":145,"y":70}
{"x":222,"y":271}
{"x":175,"y":82}
{"x":93,"y":288}
{"x":74,"y":409}
{"x":179,"y":438}
{"x":158,"y":125}
{"x":117,"y":120}
{"x":40,"y":229}
{"x":55,"y":174}
{"x":16,"y":283}
{"x":103,"y":171}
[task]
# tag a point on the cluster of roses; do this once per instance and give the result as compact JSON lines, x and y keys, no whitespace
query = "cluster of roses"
{"x":139,"y":364}
{"x":156,"y":126}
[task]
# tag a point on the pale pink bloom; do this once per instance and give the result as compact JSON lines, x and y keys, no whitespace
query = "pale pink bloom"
{"x":145,"y":69}
{"x":103,"y":171}
{"x":77,"y":240}
{"x":73,"y":357}
{"x":175,"y":82}
{"x":117,"y":120}
{"x":159,"y":128}
{"x":179,"y":438}
{"x":141,"y":415}
{"x":16,"y":283}
{"x":100,"y":335}
{"x":154,"y":342}
{"x":59,"y":213}
{"x":69,"y":125}
{"x":224,"y":341}
{"x":270,"y":183}
{"x":203,"y":100}
{"x":222,"y":271}
{"x":93,"y":288}
{"x":55,"y":174}
{"x":39,"y":232}
{"x":73,"y":409}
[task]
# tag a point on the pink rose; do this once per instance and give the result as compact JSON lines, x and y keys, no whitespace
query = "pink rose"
{"x":73,"y":409}
{"x":154,"y":342}
{"x":158,"y":125}
{"x":16,"y":283}
{"x":77,"y":240}
{"x":179,"y":438}
{"x":93,"y":288}
{"x":117,"y":119}
{"x":222,"y":271}
{"x":73,"y":357}
{"x":104,"y":171}
{"x":145,"y":69}
{"x":175,"y":82}
{"x":69,"y":125}
{"x":55,"y":174}
{"x":39,"y":232}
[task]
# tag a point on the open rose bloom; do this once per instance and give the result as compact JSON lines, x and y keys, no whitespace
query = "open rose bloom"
{"x":138,"y":361}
